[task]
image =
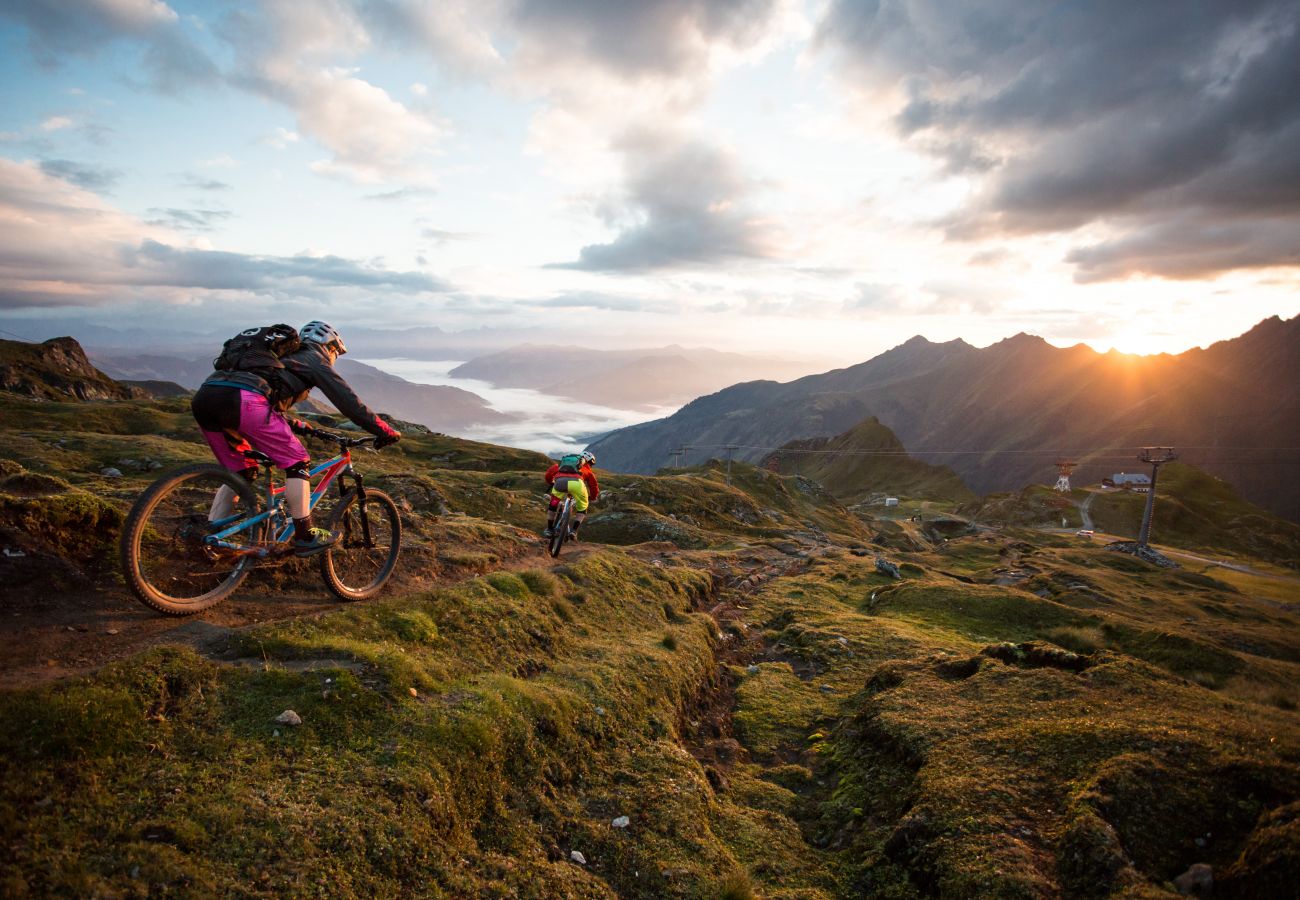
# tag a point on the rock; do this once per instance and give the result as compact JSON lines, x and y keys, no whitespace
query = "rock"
{"x":1197,"y":881}
{"x":885,"y":567}
{"x":752,"y":669}
{"x":154,"y":465}
{"x":289,"y":717}
{"x":826,"y":689}
{"x":128,"y":463}
{"x":110,"y":472}
{"x":413,"y":692}
{"x":577,"y":857}
{"x":600,"y":710}
{"x":111,"y":631}
{"x":621,"y":822}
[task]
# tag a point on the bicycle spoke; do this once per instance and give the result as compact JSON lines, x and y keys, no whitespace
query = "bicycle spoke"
{"x":172,"y":559}
{"x":369,"y":542}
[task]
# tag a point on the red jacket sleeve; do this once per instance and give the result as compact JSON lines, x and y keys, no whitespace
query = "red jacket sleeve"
{"x":551,"y":472}
{"x":590,"y":478}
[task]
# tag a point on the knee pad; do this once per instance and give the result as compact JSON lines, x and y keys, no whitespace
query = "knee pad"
{"x":298,"y":470}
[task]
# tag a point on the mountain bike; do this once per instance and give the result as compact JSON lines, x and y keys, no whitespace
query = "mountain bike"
{"x":563,"y":519}
{"x":178,"y":562}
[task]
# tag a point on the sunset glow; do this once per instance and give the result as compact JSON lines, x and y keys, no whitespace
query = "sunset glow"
{"x":805,"y":178}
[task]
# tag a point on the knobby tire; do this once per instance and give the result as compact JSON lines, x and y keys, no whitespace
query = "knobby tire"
{"x":358,"y":566}
{"x":561,"y":533}
{"x":162,"y":554}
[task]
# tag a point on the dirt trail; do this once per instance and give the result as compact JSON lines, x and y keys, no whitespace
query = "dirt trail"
{"x":50,"y":636}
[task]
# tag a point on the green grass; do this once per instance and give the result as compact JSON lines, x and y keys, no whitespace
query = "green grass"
{"x":836,"y":733}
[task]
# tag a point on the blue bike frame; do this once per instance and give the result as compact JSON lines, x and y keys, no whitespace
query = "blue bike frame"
{"x":339,"y":465}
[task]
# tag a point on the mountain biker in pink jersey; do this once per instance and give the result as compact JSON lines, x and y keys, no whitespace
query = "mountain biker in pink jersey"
{"x":571,"y":476}
{"x":239,"y":410}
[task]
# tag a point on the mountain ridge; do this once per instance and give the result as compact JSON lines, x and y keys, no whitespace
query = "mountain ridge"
{"x":1021,"y":401}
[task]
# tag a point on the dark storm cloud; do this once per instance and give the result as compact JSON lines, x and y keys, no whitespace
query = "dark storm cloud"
{"x":58,"y":29}
{"x":1193,"y":249}
{"x":1157,"y":118}
{"x":688,"y":203}
{"x":92,"y":178}
{"x":154,"y":263}
{"x":188,"y":219}
{"x":642,"y":37}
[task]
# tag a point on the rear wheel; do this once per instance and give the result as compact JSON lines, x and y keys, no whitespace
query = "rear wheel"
{"x":370,"y":540}
{"x":561,"y":533}
{"x":166,"y":562}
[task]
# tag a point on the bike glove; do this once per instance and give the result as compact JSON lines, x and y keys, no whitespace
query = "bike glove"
{"x":384,"y":440}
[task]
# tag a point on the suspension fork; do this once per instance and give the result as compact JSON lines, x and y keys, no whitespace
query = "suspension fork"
{"x":360,"y":483}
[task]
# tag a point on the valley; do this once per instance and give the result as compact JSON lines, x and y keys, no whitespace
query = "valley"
{"x":719,"y":692}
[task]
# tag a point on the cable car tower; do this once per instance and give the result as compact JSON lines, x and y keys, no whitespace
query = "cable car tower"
{"x":1064,"y":467}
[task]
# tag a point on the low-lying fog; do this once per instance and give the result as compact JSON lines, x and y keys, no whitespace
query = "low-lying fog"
{"x":542,"y":422}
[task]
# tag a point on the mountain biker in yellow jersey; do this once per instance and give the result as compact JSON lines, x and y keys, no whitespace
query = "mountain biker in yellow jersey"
{"x":572,"y":477}
{"x":244,"y":408}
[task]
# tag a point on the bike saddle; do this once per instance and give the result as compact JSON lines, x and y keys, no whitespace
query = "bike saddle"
{"x":257,"y":456}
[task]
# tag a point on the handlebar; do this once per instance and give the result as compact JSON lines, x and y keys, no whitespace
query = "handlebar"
{"x":342,"y":440}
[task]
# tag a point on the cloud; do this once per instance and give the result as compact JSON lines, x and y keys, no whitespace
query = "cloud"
{"x":400,"y":194}
{"x":290,"y":53}
{"x":193,"y":220}
{"x":92,"y":178}
{"x":1190,"y":249}
{"x":57,"y":123}
{"x":1176,"y":116}
{"x":454,"y":33}
{"x":281,"y":138}
{"x":199,"y":183}
{"x":57,"y":30}
{"x":439,"y":236}
{"x":639,"y":38}
{"x":686,"y":204}
{"x":156,"y":263}
{"x":61,"y":245}
{"x":595,"y":300}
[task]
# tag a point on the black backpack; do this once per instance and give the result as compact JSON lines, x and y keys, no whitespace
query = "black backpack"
{"x":258,"y":348}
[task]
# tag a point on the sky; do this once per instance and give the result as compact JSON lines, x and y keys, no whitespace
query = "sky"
{"x":818,"y":180}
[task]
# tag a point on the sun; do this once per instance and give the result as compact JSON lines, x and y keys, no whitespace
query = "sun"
{"x":1142,"y":343}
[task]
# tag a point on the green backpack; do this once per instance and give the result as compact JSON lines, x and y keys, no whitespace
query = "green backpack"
{"x":570,"y":463}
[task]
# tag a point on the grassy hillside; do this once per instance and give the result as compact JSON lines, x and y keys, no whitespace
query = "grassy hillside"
{"x":717,"y":694}
{"x":867,"y":461}
{"x":1197,"y":511}
{"x":1036,"y":505}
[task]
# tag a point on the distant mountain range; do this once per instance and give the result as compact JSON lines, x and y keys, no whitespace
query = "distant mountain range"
{"x":640,"y":379}
{"x":445,"y":409}
{"x":1000,"y":416}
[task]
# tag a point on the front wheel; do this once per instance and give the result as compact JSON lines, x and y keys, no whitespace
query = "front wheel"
{"x":561,"y":533}
{"x":167,"y":563}
{"x":370,"y":539}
